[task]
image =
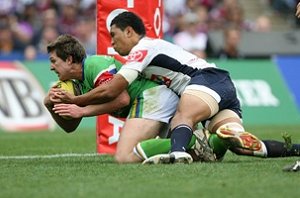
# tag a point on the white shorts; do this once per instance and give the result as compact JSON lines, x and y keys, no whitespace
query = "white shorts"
{"x":157,"y":103}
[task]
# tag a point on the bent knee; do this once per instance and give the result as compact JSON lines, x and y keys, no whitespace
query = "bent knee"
{"x":120,"y":158}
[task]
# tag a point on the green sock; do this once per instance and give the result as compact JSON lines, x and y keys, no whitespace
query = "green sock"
{"x":153,"y":147}
{"x":218,"y":145}
{"x":159,"y":146}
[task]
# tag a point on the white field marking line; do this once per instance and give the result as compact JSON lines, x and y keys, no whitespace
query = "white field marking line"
{"x":17,"y":157}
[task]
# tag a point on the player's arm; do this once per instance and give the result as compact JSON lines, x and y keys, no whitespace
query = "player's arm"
{"x":298,"y":10}
{"x":76,"y":111}
{"x":67,"y":125}
{"x":104,"y":92}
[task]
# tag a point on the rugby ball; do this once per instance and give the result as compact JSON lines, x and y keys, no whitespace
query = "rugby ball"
{"x":71,"y":87}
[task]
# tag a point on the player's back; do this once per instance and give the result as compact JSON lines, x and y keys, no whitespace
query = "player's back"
{"x":156,"y":47}
{"x":165,"y":63}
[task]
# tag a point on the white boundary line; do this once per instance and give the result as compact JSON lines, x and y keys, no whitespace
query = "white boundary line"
{"x":17,"y":157}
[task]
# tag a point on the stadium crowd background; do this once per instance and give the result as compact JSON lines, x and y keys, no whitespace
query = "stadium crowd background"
{"x":27,"y":26}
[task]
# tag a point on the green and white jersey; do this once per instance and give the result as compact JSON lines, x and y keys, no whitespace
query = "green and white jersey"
{"x":98,"y":69}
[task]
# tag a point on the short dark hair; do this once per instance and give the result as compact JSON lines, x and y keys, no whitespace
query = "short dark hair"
{"x":66,"y":45}
{"x":126,"y":19}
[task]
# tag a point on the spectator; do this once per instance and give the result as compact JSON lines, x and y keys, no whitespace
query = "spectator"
{"x":202,"y":13}
{"x":231,"y":41}
{"x":68,"y":17}
{"x":218,"y":15}
{"x":47,"y":32}
{"x":235,"y":16}
{"x":190,"y":39}
{"x":174,"y":8}
{"x":6,"y":39}
{"x":226,"y":13}
{"x":30,"y":53}
{"x":86,"y":34}
{"x":29,"y":24}
{"x":48,"y":35}
{"x":191,"y":5}
{"x":10,"y":39}
{"x":209,"y":4}
{"x":262,"y":24}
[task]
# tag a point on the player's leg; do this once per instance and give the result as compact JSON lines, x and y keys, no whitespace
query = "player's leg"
{"x":209,"y":91}
{"x":227,"y":125}
{"x":218,"y":146}
{"x":282,"y":149}
{"x":194,"y":106}
{"x":147,"y":118}
{"x":135,"y":130}
{"x":153,"y":147}
{"x":276,"y":148}
{"x":156,"y":151}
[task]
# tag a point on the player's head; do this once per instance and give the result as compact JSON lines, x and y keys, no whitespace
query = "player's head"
{"x":65,"y":52}
{"x":126,"y":19}
{"x":126,"y":30}
{"x":67,"y":46}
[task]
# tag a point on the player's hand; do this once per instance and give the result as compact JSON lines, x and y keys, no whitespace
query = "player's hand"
{"x":61,"y":96}
{"x":69,"y":110}
{"x":298,"y":10}
{"x":50,"y":99}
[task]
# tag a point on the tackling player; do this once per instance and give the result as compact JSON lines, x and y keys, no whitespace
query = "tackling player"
{"x":144,"y":101}
{"x":67,"y":60}
{"x":207,"y":93}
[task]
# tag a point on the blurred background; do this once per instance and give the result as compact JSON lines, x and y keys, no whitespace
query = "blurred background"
{"x":27,"y":26}
{"x":225,"y":29}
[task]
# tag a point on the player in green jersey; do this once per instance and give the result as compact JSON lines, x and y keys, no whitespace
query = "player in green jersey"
{"x":151,"y":106}
{"x":144,"y":101}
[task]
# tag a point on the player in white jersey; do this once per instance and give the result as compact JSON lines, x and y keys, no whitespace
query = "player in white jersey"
{"x":143,"y":103}
{"x":207,"y":93}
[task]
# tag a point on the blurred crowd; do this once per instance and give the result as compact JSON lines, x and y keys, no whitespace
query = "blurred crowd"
{"x":187,"y":23}
{"x":27,"y":26}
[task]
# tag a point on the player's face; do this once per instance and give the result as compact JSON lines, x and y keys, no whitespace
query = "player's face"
{"x":60,"y":67}
{"x":121,"y":40}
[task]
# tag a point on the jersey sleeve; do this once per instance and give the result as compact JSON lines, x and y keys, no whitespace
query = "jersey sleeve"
{"x":103,"y":78}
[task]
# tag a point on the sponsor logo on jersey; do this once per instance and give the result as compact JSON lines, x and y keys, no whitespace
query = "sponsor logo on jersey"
{"x":161,"y":80}
{"x":137,"y":56}
{"x":103,"y":78}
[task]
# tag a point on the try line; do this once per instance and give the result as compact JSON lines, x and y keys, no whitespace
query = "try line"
{"x":2,"y":157}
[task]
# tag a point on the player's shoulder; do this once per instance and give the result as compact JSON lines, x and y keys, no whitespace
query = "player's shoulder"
{"x":98,"y":62}
{"x":155,"y":44}
{"x":148,"y":41}
{"x":99,"y":58}
{"x":147,"y":46}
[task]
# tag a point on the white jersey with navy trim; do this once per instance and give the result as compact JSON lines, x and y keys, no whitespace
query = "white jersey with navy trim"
{"x":164,"y":63}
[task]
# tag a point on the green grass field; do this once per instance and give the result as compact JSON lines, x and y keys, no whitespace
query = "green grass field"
{"x":29,"y":175}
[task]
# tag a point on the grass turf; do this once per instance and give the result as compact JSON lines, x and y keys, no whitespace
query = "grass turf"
{"x":99,"y":176}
